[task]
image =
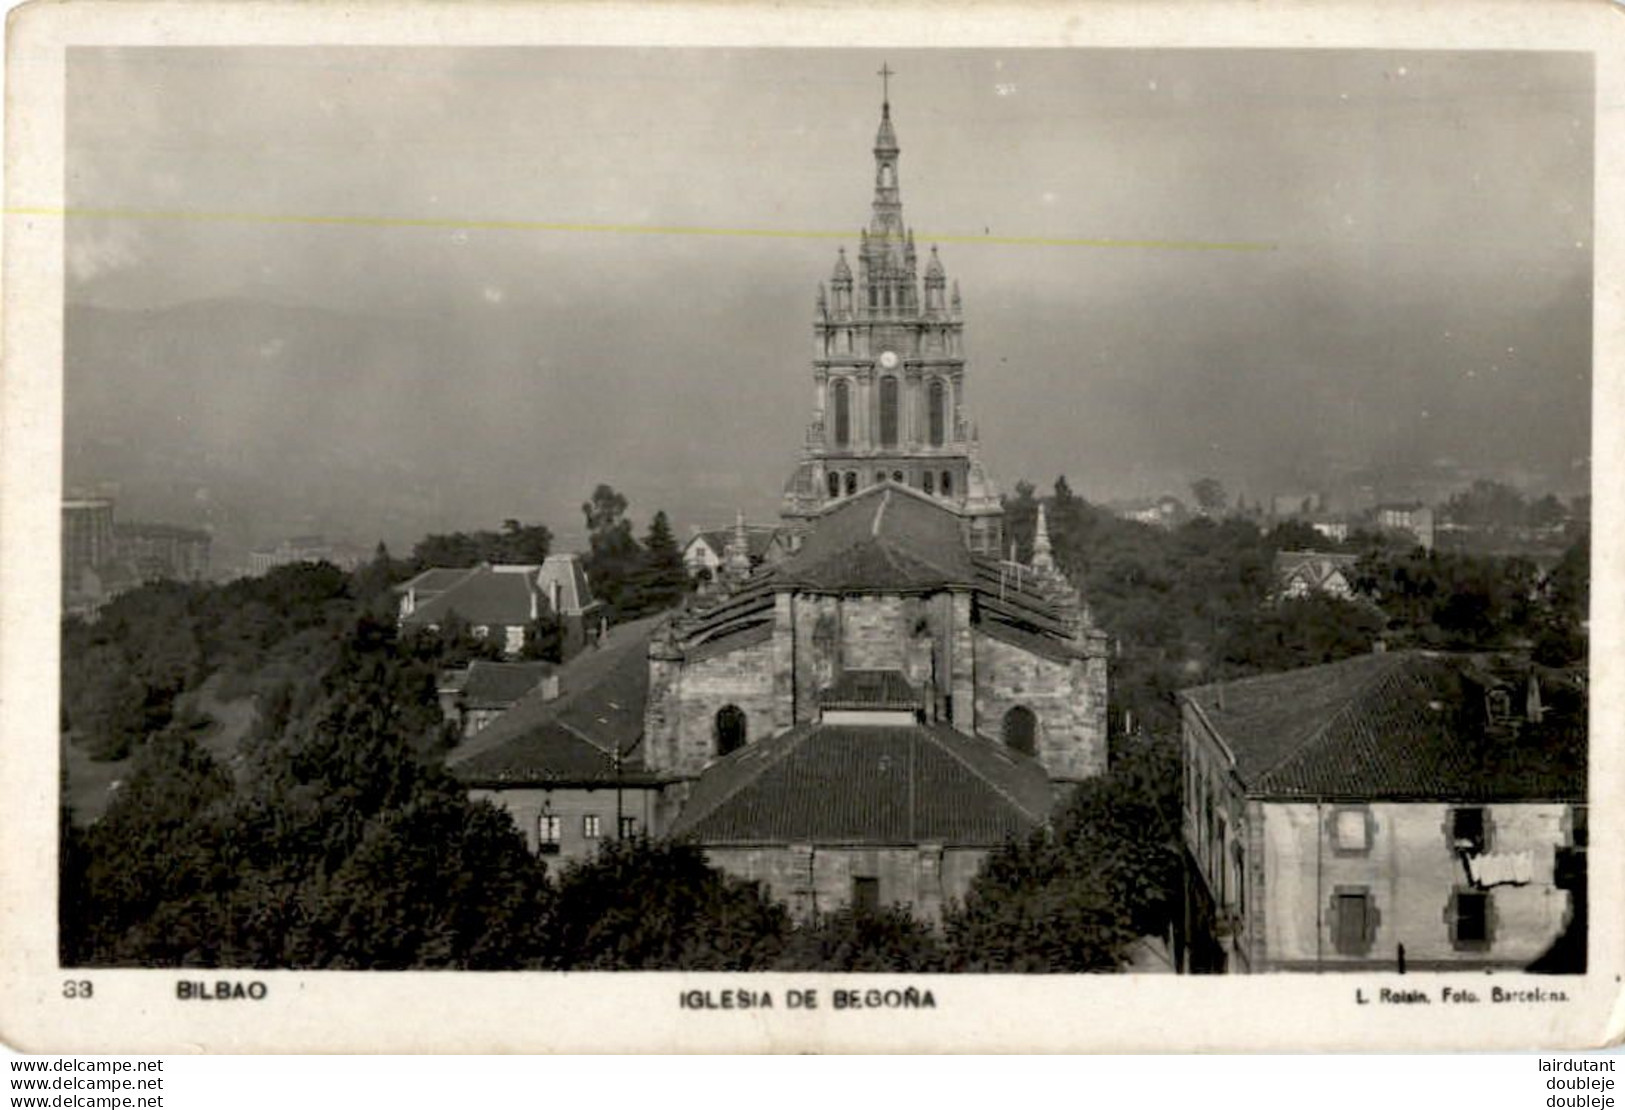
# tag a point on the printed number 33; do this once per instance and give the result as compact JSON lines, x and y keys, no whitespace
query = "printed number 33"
{"x":77,"y":988}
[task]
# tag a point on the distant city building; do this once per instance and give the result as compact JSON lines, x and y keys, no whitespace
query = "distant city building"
{"x":1294,"y":506}
{"x":1391,"y":811}
{"x":306,"y":549}
{"x":503,"y":601}
{"x":161,"y":551}
{"x":87,"y":539}
{"x":1162,"y":512}
{"x":1335,"y":530}
{"x":1302,"y":573}
{"x":1411,"y":517}
{"x":102,"y":558}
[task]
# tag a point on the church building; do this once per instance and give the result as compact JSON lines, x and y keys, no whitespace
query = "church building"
{"x":864,"y":719}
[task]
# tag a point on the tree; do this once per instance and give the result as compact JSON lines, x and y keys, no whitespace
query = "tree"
{"x":661,"y":580}
{"x":438,"y":882}
{"x":1210,"y":495}
{"x":652,"y":905}
{"x":615,"y":558}
{"x":892,"y":939}
{"x":516,"y":543}
{"x":1078,"y":895}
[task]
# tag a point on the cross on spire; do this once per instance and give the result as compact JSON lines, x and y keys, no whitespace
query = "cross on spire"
{"x":885,"y":74}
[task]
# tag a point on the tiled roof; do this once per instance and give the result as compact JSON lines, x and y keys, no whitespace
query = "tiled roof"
{"x":870,"y":690}
{"x":498,"y":685}
{"x":483,"y":596}
{"x":435,"y":579}
{"x":1321,"y":563}
{"x":867,"y":784}
{"x":886,"y":538}
{"x":599,"y":711}
{"x":1396,"y":725}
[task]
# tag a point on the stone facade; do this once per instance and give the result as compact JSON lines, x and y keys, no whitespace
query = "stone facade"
{"x":1067,"y":697}
{"x":681,"y":718}
{"x":821,"y":879}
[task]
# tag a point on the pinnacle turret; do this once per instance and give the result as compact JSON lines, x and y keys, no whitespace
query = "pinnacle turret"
{"x":1043,"y":556}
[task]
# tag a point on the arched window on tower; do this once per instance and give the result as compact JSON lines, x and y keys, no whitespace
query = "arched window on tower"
{"x":834,"y":483}
{"x":730,"y":729}
{"x":851,"y":482}
{"x":843,"y":413}
{"x":930,"y":480}
{"x":1021,"y":730}
{"x":888,"y":412}
{"x":947,"y":483}
{"x":935,"y":397}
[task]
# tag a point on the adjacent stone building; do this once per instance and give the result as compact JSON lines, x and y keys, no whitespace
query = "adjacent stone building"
{"x":1395,"y":811}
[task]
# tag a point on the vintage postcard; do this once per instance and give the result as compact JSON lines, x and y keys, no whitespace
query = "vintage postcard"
{"x":573,"y":527}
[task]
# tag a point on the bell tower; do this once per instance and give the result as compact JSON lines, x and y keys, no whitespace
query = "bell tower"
{"x":889,"y":373}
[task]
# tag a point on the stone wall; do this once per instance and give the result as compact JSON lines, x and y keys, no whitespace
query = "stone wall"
{"x":1067,"y":698}
{"x":914,"y":635}
{"x":744,"y":678}
{"x":813,"y":879}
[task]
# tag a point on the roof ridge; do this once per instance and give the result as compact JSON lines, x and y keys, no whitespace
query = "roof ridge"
{"x":932,"y":732}
{"x":690,"y":817}
{"x":880,"y":513}
{"x":1393,"y":663}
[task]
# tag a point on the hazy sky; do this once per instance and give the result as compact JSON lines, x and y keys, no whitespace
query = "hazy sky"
{"x":1420,"y":285}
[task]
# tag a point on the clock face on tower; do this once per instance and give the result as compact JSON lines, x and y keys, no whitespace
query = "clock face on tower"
{"x":888,"y":359}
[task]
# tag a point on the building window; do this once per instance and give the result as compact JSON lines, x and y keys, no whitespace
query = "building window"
{"x":1354,"y":921}
{"x":880,"y":476}
{"x":936,"y":400}
{"x":947,"y":483}
{"x":590,"y":827}
{"x":851,"y":482}
{"x":731,"y":728}
{"x":930,"y":482}
{"x":1351,"y":830}
{"x":843,"y":413}
{"x":1239,"y":871}
{"x":865,"y":894}
{"x":1470,"y":920}
{"x":888,"y":412}
{"x":547,"y":833}
{"x":1469,"y":831}
{"x":1579,"y":826}
{"x":629,"y":827}
{"x":1021,"y":730}
{"x":834,"y":484}
{"x":897,"y":476}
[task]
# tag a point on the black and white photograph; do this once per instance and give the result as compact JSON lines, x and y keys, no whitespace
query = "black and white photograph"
{"x":923,"y":515}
